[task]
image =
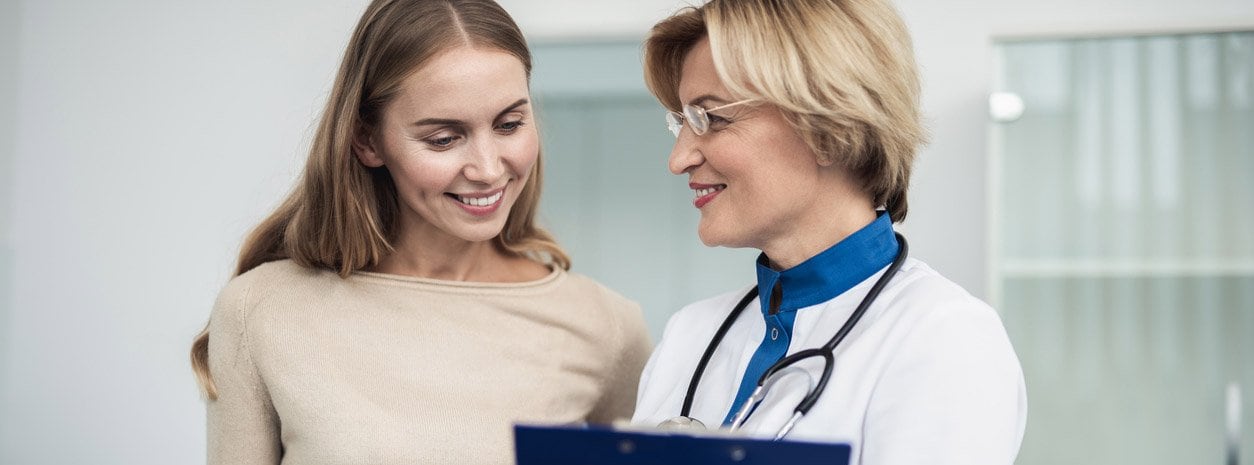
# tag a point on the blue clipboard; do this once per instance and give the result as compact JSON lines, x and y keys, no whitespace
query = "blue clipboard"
{"x":578,"y":445}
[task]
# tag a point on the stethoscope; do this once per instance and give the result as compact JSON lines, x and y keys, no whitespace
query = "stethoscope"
{"x":784,"y":366}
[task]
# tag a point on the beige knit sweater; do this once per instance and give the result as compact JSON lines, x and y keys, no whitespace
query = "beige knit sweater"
{"x":385,"y":369}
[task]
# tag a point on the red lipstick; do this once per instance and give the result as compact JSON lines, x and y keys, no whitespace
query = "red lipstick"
{"x":705,"y":192}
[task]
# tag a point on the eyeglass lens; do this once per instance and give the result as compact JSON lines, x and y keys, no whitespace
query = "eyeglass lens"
{"x":674,"y":122}
{"x":694,"y":115}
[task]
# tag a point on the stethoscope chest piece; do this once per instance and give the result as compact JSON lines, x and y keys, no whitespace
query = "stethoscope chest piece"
{"x":682,"y":423}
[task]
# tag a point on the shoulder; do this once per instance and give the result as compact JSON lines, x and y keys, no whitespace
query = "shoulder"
{"x":948,"y":371}
{"x":232,"y":322}
{"x":275,"y":272}
{"x":596,"y":300}
{"x":706,"y":312}
{"x":620,"y":316}
{"x":931,"y":321}
{"x":698,"y":321}
{"x":589,"y":291}
{"x":265,"y":282}
{"x":694,"y":324}
{"x":925,"y":297}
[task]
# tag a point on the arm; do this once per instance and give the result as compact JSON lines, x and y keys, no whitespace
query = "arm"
{"x":618,"y":399}
{"x":243,"y":425}
{"x":953,"y":394}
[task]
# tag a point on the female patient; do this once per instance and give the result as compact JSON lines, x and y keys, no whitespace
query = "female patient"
{"x":402,"y":306}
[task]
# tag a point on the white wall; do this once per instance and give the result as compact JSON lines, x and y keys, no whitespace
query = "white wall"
{"x":8,"y":119}
{"x":150,"y":135}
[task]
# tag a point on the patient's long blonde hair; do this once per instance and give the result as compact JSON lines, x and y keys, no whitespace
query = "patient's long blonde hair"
{"x":342,"y":215}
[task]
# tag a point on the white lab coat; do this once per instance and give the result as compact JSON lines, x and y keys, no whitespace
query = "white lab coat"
{"x":928,"y":376}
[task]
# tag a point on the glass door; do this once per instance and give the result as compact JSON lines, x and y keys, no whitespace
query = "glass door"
{"x":1122,"y":243}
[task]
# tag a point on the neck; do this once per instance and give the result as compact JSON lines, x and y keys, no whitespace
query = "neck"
{"x":423,"y":251}
{"x":836,"y":214}
{"x":811,"y":240}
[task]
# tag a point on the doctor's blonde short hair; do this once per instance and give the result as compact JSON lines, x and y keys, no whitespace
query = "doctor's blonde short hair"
{"x":841,"y":71}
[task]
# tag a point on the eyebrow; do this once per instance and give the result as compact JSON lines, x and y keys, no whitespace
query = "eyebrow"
{"x":457,"y":122}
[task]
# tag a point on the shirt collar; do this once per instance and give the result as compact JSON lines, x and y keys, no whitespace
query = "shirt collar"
{"x":833,"y":271}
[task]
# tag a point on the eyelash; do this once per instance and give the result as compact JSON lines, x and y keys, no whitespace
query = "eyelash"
{"x":443,"y":143}
{"x":510,"y":130}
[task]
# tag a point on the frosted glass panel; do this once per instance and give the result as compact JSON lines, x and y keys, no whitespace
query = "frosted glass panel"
{"x":1130,"y":370}
{"x":1130,"y":149}
{"x":608,"y":196}
{"x":1124,"y":243}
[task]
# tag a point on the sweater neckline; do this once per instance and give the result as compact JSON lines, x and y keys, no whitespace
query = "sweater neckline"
{"x":555,"y":273}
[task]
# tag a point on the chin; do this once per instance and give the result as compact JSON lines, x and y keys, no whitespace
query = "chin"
{"x":711,"y":237}
{"x":476,"y":231}
{"x":482,"y":234}
{"x":719,"y":235}
{"x":479,"y":238}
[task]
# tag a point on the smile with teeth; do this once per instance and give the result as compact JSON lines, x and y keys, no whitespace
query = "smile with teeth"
{"x":480,"y":201}
{"x":709,"y":190}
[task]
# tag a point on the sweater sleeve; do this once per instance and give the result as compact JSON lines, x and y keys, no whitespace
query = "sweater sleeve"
{"x":953,"y":394}
{"x":618,"y":400}
{"x":243,"y":426}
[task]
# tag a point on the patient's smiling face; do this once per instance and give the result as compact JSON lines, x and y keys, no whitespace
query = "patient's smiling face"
{"x":459,"y":142}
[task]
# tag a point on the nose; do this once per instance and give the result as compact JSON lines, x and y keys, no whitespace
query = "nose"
{"x":686,"y":155}
{"x":483,"y":163}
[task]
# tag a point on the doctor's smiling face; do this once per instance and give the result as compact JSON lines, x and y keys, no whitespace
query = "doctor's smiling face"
{"x":754,"y":178}
{"x":459,"y":144}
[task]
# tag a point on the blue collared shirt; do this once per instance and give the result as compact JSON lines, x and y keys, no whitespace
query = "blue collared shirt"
{"x":819,"y":279}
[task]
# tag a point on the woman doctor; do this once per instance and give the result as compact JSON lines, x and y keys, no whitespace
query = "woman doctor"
{"x":797,"y":126}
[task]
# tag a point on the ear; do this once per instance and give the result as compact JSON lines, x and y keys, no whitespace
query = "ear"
{"x":826,"y":147}
{"x":365,"y":148}
{"x":825,"y":160}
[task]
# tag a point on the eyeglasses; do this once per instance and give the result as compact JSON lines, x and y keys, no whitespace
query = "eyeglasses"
{"x":698,"y":118}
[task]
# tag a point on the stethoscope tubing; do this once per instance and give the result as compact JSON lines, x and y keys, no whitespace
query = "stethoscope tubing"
{"x":709,"y":350}
{"x":826,"y":350}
